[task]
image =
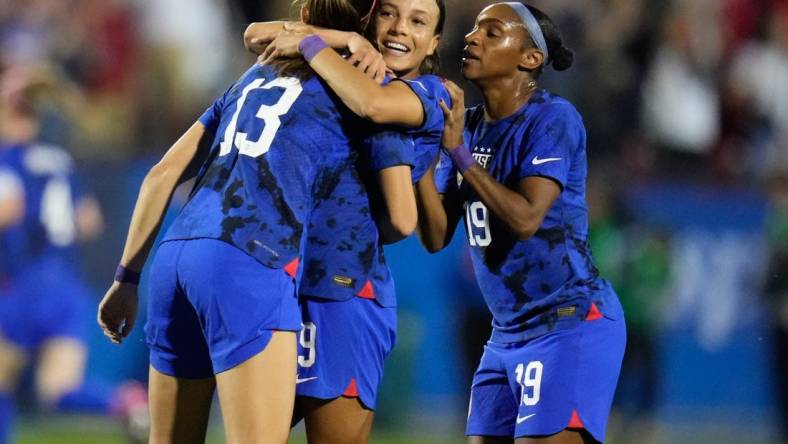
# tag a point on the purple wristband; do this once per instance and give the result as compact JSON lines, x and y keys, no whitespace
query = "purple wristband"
{"x":310,"y":46}
{"x":126,"y":276}
{"x":462,"y":158}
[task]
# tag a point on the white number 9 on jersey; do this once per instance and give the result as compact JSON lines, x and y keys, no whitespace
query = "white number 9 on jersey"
{"x":270,"y":114}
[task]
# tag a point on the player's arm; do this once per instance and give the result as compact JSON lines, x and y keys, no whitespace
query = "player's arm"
{"x":180,"y":163}
{"x":438,"y":214}
{"x":117,"y":311}
{"x":259,"y":34}
{"x":401,"y":216}
{"x":392,"y":104}
{"x":12,"y":199}
{"x":523,"y":209}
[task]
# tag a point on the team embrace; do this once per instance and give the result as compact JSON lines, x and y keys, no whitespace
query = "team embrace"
{"x":271,"y":286}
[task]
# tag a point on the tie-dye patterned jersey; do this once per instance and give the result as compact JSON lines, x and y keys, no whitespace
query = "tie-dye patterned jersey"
{"x":548,"y":281}
{"x":427,"y":137}
{"x":279,"y":148}
{"x":343,"y":256}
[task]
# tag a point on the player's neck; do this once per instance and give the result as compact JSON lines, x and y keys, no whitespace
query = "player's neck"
{"x":505,"y":96}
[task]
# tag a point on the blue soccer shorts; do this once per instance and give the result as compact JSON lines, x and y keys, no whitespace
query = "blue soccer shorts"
{"x":343,"y":347}
{"x":212,"y":307}
{"x":564,"y":379}
{"x":47,"y":300}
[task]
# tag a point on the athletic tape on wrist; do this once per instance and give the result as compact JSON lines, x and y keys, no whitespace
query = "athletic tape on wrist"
{"x":462,"y":158}
{"x":310,"y":46}
{"x":126,"y":276}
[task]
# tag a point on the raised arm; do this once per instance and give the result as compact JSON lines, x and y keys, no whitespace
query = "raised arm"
{"x":523,"y":209}
{"x":118,"y":309}
{"x":259,"y":34}
{"x":392,"y":104}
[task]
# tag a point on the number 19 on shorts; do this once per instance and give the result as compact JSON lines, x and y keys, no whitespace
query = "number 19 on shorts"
{"x":530,"y":379}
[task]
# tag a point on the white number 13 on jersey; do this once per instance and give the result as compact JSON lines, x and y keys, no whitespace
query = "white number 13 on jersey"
{"x":270,"y":114}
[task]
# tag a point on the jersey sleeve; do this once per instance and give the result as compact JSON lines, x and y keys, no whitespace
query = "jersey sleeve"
{"x":445,"y":174}
{"x":430,"y":91}
{"x":212,"y":116}
{"x":548,"y":148}
{"x":390,"y":148}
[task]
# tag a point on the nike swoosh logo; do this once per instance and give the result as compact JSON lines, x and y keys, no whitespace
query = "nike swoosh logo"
{"x":524,"y":418}
{"x":302,"y":380}
{"x":538,"y":161}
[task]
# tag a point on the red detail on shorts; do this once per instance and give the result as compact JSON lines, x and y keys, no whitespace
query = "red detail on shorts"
{"x":352,"y":390}
{"x":367,"y":292}
{"x":593,"y":313}
{"x":292,"y":268}
{"x":575,"y":422}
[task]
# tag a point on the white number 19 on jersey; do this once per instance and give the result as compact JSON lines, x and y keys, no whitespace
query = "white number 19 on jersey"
{"x":270,"y":114}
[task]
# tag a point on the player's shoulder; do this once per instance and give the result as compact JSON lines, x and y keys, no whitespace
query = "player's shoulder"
{"x":43,"y":159}
{"x":549,"y":104}
{"x":429,"y":84}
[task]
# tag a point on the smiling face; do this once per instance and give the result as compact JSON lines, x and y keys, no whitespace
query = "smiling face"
{"x":405,"y":33}
{"x":498,"y":45}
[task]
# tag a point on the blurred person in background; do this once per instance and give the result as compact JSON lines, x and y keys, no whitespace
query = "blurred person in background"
{"x":45,"y":304}
{"x":549,"y":371}
{"x":681,"y":106}
{"x":757,"y":87}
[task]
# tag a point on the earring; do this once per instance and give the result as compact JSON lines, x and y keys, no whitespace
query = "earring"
{"x":532,"y":84}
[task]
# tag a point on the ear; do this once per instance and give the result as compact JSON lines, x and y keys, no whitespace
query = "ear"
{"x":304,"y":14}
{"x":436,"y":40}
{"x":531,"y":59}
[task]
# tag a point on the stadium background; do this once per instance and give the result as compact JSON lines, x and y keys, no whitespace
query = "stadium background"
{"x":686,"y":105}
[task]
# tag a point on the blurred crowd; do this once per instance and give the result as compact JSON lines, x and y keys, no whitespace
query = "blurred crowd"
{"x":683,"y":100}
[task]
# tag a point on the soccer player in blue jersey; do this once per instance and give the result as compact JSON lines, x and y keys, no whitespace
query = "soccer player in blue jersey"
{"x":43,"y":303}
{"x":344,"y":344}
{"x":277,"y":145}
{"x":516,"y":170}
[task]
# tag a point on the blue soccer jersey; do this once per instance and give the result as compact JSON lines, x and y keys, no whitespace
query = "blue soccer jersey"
{"x":427,"y":137}
{"x":548,"y":281}
{"x":44,"y":175}
{"x":343,"y":257}
{"x":280,"y":147}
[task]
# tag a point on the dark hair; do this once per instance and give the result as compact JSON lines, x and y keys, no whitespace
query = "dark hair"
{"x":561,"y":57}
{"x":342,"y":15}
{"x":431,"y":64}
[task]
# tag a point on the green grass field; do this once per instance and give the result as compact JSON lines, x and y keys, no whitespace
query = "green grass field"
{"x":89,"y":430}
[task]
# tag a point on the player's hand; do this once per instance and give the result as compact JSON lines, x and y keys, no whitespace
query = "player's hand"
{"x":366,"y":58}
{"x":118,"y":311}
{"x":285,"y":45}
{"x":454,"y":117}
{"x":258,"y":37}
